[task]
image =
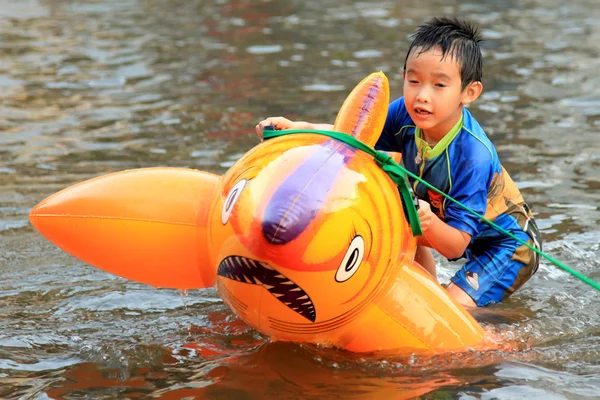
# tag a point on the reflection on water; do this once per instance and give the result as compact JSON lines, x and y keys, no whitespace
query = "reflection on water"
{"x":90,"y":87}
{"x":266,"y":370}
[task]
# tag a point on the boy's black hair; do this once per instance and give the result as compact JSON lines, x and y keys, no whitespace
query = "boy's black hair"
{"x":455,"y":37}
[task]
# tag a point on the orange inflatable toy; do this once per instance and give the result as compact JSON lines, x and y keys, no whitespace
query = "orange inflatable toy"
{"x":305,"y":238}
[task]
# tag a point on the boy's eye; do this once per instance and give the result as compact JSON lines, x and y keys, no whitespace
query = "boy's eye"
{"x":413,"y":81}
{"x":442,"y":85}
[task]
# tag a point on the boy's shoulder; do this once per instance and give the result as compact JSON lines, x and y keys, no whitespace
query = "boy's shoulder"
{"x":397,"y":108}
{"x":472,"y":126}
{"x":398,"y":123}
{"x":398,"y":115}
{"x":473,"y":139}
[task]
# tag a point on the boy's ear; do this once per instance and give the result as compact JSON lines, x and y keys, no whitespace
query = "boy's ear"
{"x":472,"y":92}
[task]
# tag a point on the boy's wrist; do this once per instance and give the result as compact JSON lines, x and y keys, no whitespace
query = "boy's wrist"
{"x":305,"y":125}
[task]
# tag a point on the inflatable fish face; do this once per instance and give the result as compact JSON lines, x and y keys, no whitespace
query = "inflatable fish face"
{"x":305,"y":230}
{"x":306,"y":223}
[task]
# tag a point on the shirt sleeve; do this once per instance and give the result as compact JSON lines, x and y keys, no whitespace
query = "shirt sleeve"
{"x":470,"y":182}
{"x":388,"y":141}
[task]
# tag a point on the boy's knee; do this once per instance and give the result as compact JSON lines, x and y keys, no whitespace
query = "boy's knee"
{"x":460,"y":296}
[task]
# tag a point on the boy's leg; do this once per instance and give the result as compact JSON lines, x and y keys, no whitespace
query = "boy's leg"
{"x":425,"y":259}
{"x":494,"y":274}
{"x":460,"y":295}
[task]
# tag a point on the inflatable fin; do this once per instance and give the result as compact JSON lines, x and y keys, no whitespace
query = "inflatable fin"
{"x":364,"y":111}
{"x":148,"y":225}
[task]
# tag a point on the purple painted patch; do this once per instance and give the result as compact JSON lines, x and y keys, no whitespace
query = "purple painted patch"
{"x":300,"y":197}
{"x":366,"y":108}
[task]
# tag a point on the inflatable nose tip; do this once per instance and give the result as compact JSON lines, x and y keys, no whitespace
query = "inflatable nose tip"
{"x":33,"y":216}
{"x":34,"y":212}
{"x":37,"y":214}
{"x":44,"y":215}
{"x":41,"y":207}
{"x":147,"y":225}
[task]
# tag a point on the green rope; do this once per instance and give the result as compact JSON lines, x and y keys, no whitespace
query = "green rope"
{"x":397,"y":173}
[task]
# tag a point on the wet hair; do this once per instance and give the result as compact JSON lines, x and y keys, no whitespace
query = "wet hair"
{"x":456,"y":38}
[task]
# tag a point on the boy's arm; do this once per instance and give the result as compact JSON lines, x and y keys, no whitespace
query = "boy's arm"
{"x":446,"y":240}
{"x":386,"y":140}
{"x":281,"y":123}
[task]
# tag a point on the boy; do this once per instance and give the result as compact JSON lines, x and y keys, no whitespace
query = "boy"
{"x":443,"y":144}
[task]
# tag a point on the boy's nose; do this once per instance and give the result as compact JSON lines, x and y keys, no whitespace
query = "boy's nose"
{"x":422,"y":96}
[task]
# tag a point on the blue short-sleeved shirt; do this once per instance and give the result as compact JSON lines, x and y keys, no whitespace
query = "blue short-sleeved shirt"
{"x":464,"y":165}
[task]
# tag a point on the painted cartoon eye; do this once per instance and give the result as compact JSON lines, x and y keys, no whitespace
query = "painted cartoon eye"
{"x":232,"y":198}
{"x":352,"y":260}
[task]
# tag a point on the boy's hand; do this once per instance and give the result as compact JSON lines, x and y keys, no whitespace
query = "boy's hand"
{"x":426,"y":216}
{"x":446,"y":240}
{"x":280,"y":123}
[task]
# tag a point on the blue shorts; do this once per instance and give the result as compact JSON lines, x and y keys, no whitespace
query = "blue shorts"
{"x":496,"y":268}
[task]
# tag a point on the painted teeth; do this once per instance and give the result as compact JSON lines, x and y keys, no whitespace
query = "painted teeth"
{"x":245,"y":270}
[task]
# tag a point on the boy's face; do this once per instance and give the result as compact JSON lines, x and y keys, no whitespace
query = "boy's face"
{"x":432,"y":92}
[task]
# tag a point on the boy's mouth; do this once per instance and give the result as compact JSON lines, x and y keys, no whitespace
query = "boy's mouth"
{"x":422,"y":111}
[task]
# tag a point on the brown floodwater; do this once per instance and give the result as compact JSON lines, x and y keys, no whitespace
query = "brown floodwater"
{"x":96,"y":86}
